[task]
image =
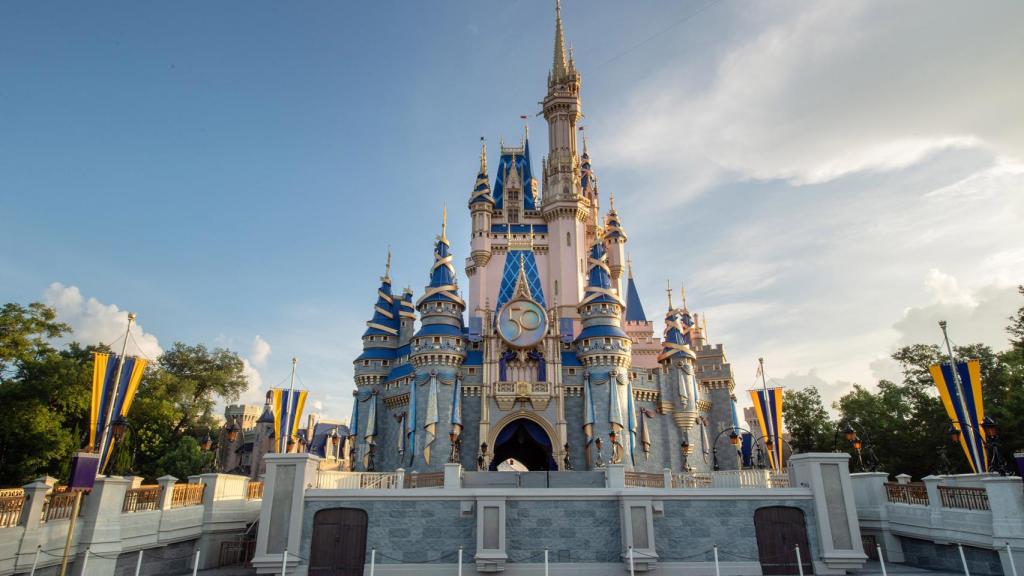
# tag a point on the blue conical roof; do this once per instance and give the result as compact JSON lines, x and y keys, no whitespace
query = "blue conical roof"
{"x":599,"y":281}
{"x":443,"y":283}
{"x":634,"y":309}
{"x":385,"y":312}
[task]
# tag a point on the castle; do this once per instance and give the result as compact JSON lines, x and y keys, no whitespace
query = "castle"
{"x":550,"y":363}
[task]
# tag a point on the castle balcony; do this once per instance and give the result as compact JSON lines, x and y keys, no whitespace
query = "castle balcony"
{"x":538,"y":394}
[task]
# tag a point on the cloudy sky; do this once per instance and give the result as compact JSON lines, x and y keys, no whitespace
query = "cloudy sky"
{"x":827,"y":179}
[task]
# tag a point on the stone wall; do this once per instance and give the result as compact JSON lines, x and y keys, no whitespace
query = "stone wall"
{"x":573,"y":530}
{"x":174,"y":558}
{"x":925,"y":554}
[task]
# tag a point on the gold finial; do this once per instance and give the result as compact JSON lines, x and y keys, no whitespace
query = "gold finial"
{"x":668,"y":289}
{"x":483,"y":155}
{"x":444,"y":223}
{"x":387,"y":268}
{"x":611,"y":202}
{"x":682,"y":290}
{"x":629,"y":266}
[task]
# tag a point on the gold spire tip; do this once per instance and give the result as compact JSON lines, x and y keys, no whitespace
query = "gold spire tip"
{"x":444,"y":223}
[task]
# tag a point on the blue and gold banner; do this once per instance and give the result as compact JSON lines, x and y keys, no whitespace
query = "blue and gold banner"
{"x":293,"y":402}
{"x":768,"y":406}
{"x":961,"y":395}
{"x":105,"y":371}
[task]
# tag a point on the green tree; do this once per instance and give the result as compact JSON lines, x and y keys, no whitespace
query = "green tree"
{"x":808,"y":423}
{"x":25,"y":332}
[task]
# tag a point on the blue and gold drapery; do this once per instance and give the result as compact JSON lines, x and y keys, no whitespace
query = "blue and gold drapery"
{"x":456,"y":419}
{"x":961,"y":395}
{"x":292,"y":401}
{"x":104,"y":372}
{"x":768,"y":406}
{"x":430,"y":423}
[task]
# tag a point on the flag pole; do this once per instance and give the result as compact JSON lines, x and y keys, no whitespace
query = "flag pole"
{"x":284,"y":417}
{"x":767,"y":409}
{"x":109,"y":417}
{"x":979,"y":465}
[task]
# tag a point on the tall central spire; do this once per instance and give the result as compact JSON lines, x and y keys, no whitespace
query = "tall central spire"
{"x":560,"y":68}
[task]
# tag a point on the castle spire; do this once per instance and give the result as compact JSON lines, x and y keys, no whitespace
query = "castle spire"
{"x":387,"y":269}
{"x":668,"y":290}
{"x":444,"y":223}
{"x":560,"y":67}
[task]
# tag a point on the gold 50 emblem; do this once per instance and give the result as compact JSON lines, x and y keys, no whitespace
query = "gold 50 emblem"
{"x":522,"y":323}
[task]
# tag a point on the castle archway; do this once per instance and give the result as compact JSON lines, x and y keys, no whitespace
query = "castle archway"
{"x":525,"y":441}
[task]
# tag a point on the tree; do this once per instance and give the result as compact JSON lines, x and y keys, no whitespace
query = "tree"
{"x":808,"y":423}
{"x":25,"y":333}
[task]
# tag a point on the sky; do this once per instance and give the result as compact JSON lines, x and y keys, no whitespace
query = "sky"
{"x":826,"y":179}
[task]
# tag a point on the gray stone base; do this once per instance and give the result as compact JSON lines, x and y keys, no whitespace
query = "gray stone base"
{"x":572,"y":569}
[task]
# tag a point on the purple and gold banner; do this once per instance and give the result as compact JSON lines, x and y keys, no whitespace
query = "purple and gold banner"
{"x":768,"y":406}
{"x":961,"y":395}
{"x":292,"y":401}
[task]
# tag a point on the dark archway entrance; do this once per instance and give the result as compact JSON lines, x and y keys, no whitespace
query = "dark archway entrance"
{"x":780,"y":529}
{"x":339,"y":542}
{"x":525,"y":441}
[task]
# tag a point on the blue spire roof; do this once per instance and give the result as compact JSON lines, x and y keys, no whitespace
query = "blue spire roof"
{"x":675,"y":341}
{"x":634,"y":309}
{"x":442,"y":285}
{"x":482,"y":189}
{"x":522,"y":165}
{"x":599,"y":281}
{"x":385,"y":317}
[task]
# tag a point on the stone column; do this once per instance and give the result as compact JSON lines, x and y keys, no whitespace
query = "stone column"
{"x":828,"y":477}
{"x":32,"y":511}
{"x":615,"y":476}
{"x":1007,"y":502}
{"x":903,"y":478}
{"x":873,"y":511}
{"x":101,"y":526}
{"x":452,"y":476}
{"x":280,"y":529}
{"x":931,"y":485}
{"x":166,"y":490}
{"x":224,"y":514}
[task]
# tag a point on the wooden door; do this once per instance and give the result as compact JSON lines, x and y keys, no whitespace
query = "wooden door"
{"x":780,"y":529}
{"x":338,"y":543}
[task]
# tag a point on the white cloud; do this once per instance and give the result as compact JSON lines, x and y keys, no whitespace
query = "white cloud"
{"x":94,"y":322}
{"x":814,"y":92}
{"x":260,"y":351}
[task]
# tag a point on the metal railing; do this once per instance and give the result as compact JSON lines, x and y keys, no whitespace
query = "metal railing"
{"x":10,"y":509}
{"x":5,"y":492}
{"x":963,"y":498}
{"x":333,"y":480}
{"x":779,"y":480}
{"x":187,"y":495}
{"x":691,"y":480}
{"x":254,"y":491}
{"x":58,"y":506}
{"x":915,"y":494}
{"x":644,"y":480}
{"x":141,"y":498}
{"x":424,"y":480}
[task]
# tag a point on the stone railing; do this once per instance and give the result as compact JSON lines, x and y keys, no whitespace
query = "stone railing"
{"x":142,"y":518}
{"x":333,"y":480}
{"x":254,"y":491}
{"x":58,"y":506}
{"x":691,"y":480}
{"x":141,"y":498}
{"x":5,"y":492}
{"x":963,"y":498}
{"x":183,"y":495}
{"x":10,"y":509}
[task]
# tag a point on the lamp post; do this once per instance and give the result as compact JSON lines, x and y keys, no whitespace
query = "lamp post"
{"x":861,"y":446}
{"x":600,"y":455}
{"x":335,"y":442}
{"x":684,"y":447}
{"x":456,"y":442}
{"x":989,"y":431}
{"x":481,"y":457}
{"x":734,"y":439}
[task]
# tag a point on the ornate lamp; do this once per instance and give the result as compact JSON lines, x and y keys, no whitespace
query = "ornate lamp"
{"x":232,"y":430}
{"x":849,"y":433}
{"x":954,"y":434}
{"x":990,"y":427}
{"x":118,"y":428}
{"x":207,"y":443}
{"x":734,"y":438}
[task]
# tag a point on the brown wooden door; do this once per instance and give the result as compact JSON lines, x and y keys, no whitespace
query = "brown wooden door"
{"x":780,"y":530}
{"x":339,"y":543}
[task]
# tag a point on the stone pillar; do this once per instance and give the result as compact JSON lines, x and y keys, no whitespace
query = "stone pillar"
{"x":166,"y":490}
{"x":828,"y":477}
{"x":615,"y":476}
{"x":491,"y":553}
{"x":873,"y":511}
{"x":400,"y":478}
{"x":32,"y":511}
{"x":931,"y":485}
{"x":452,"y":476}
{"x":280,"y":529}
{"x":636,"y":522}
{"x":101,"y":526}
{"x":903,"y":478}
{"x":666,"y":474}
{"x":224,"y":514}
{"x":1007,"y":502}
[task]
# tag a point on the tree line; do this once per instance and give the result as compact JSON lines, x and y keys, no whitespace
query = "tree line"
{"x":905,"y":421}
{"x":45,"y":392}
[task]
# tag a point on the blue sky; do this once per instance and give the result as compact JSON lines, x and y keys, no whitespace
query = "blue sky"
{"x":827,"y":179}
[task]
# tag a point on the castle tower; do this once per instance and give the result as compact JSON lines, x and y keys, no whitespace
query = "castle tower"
{"x":678,"y":362}
{"x":406,"y":318}
{"x":606,"y":350}
{"x":381,"y":337}
{"x":565,"y":208}
{"x":437,"y":353}
{"x":263,"y":441}
{"x":481,"y":210}
{"x":615,"y":245}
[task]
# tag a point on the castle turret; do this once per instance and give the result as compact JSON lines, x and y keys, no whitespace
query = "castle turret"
{"x":678,"y":362}
{"x":565,"y":208}
{"x":263,"y":440}
{"x":615,"y":245}
{"x":381,"y":337}
{"x":606,"y":350}
{"x":481,"y":209}
{"x":406,"y":318}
